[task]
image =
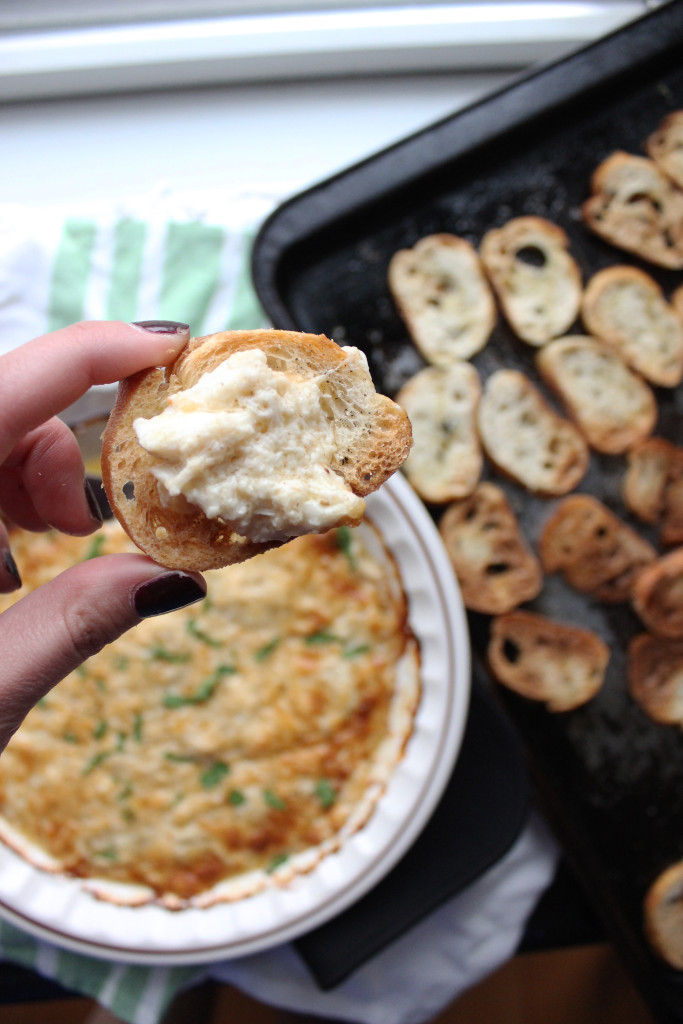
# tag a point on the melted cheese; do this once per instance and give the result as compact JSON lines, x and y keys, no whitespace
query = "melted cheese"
{"x":253,"y":446}
{"x":210,"y":745}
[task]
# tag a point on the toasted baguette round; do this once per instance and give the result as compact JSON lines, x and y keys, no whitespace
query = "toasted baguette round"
{"x":636,"y":207}
{"x":496,"y":569}
{"x":653,"y":486}
{"x":442,"y":294}
{"x":612,"y":406}
{"x":536,"y":279}
{"x":526,"y":439}
{"x":626,"y":308}
{"x":655,"y":677}
{"x":663,"y":915}
{"x":446,"y":460}
{"x":658,"y":596}
{"x":665,"y":146}
{"x":562,"y":666}
{"x":372,"y":439}
{"x":596,"y":551}
{"x":677,"y":302}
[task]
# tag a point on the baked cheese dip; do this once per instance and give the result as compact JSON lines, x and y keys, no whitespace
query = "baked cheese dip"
{"x":224,"y":747}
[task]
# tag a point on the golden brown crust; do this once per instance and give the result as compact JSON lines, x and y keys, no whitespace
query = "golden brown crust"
{"x":496,"y":569}
{"x":658,"y":596}
{"x":563,"y":666}
{"x":373,"y":437}
{"x":596,"y":551}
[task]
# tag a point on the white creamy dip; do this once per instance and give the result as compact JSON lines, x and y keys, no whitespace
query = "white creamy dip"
{"x":251,"y":445}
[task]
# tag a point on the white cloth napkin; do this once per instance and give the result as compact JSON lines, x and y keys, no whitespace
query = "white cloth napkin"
{"x":188,"y":258}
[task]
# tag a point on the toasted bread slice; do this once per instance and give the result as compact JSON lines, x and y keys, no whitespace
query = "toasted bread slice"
{"x":655,"y":677}
{"x":562,"y":666}
{"x":665,"y":146}
{"x":536,"y":279}
{"x":446,"y":460}
{"x":496,"y":569}
{"x":359,"y":436}
{"x":594,"y":549}
{"x":636,"y":207}
{"x":526,"y":439}
{"x":612,"y":406}
{"x":677,"y":302}
{"x":658,"y":596}
{"x":442,"y":294}
{"x":653,"y":486}
{"x":663,"y":915}
{"x":626,"y":308}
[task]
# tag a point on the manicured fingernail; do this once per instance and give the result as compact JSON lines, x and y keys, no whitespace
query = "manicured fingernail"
{"x":166,"y":593}
{"x":93,"y":504}
{"x":162,"y":326}
{"x":10,"y":567}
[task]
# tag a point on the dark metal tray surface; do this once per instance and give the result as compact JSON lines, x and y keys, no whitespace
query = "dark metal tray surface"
{"x":611,"y":779}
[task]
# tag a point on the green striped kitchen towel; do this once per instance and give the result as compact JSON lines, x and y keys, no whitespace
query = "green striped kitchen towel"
{"x":161,"y":256}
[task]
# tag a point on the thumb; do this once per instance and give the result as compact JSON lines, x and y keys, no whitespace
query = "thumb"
{"x":52,"y":630}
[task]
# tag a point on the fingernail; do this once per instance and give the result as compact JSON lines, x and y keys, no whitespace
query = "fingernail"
{"x":93,"y":504}
{"x":10,"y":567}
{"x":162,"y":326}
{"x":166,"y":593}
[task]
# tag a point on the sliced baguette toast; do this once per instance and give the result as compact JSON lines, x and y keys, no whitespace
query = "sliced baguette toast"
{"x":560,"y":665}
{"x":596,"y":552}
{"x":634,"y":206}
{"x":526,"y":439}
{"x":653,"y":487}
{"x":626,"y":308}
{"x":446,"y":460}
{"x":663,"y":915}
{"x":442,"y":294}
{"x":496,"y":569}
{"x":677,"y":302}
{"x":536,"y":279}
{"x":658,"y":596}
{"x":655,"y":677}
{"x":665,"y":146}
{"x":612,"y":406}
{"x":370,"y":434}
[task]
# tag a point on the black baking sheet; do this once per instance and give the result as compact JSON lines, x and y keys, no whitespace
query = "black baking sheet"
{"x":612,"y":780}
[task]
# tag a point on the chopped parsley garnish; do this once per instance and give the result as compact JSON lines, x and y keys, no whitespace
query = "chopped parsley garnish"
{"x":95,"y":761}
{"x":161,"y":653}
{"x":236,"y":797}
{"x":277,"y":861}
{"x":344,"y":539}
{"x":137,"y":727}
{"x":95,"y":549}
{"x":273,"y":800}
{"x":108,"y":853}
{"x":326,"y":794}
{"x":100,"y":730}
{"x":194,"y":630}
{"x":267,"y":649}
{"x":355,"y":652}
{"x":214,"y":774}
{"x":70,"y":737}
{"x":203,"y":692}
{"x":321,"y":637}
{"x":180,"y":758}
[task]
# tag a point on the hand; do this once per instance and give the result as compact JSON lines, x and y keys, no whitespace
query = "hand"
{"x":48,"y":633}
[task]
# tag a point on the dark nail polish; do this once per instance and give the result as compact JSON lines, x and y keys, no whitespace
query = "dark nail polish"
{"x":11,"y":568}
{"x":166,"y":593}
{"x":93,"y":504}
{"x":162,"y":326}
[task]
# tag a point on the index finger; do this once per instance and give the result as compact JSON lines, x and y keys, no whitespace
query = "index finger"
{"x":45,"y":376}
